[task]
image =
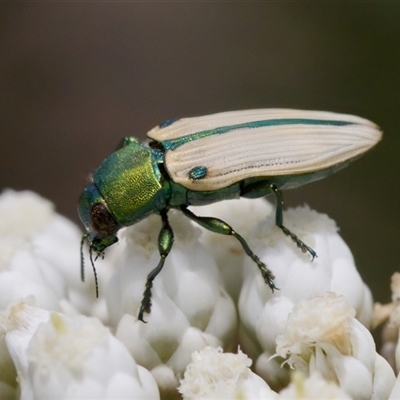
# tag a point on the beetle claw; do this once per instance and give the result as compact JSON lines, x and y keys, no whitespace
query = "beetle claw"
{"x":141,"y":312}
{"x":146,"y":301}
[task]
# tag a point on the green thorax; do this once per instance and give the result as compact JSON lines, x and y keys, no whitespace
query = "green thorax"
{"x":131,"y":184}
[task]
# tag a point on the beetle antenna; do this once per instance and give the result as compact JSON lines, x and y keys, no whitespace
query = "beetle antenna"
{"x":84,"y":237}
{"x":94,"y":271}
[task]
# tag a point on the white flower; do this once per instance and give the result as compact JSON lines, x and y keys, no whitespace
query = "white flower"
{"x":39,"y":255}
{"x":263,"y":314}
{"x":321,"y":334}
{"x":23,"y":217}
{"x":390,"y":315}
{"x":60,"y":356}
{"x":217,"y":375}
{"x":319,"y":321}
{"x":190,"y":310}
{"x":71,"y":357}
{"x":312,"y":388}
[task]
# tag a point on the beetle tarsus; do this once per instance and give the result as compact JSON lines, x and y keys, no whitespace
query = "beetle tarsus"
{"x":146,"y":301}
{"x":265,"y":271}
{"x":279,"y":223}
{"x":300,"y":244}
{"x":267,"y":275}
{"x":165,"y":242}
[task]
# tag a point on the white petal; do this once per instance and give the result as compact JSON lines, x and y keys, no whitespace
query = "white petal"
{"x":312,"y":388}
{"x":272,"y":321}
{"x":23,"y":214}
{"x":272,"y":371}
{"x":363,"y":345}
{"x":193,"y":340}
{"x":384,"y":379}
{"x":354,"y":377}
{"x":166,"y":379}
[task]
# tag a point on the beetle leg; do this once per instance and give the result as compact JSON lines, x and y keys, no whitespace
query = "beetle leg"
{"x":286,"y":231}
{"x":165,"y":242}
{"x":219,"y":226}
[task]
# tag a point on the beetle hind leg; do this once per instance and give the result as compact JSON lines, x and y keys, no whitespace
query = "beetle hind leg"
{"x":165,"y":242}
{"x":279,"y":223}
{"x":218,"y":226}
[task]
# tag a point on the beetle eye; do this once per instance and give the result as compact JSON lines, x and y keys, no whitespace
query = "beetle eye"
{"x":103,"y":223}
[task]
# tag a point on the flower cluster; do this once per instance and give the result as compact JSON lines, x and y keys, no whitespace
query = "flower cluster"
{"x":216,"y":330}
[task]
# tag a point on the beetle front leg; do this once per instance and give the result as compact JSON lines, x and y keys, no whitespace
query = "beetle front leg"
{"x":286,"y":231}
{"x":218,"y":226}
{"x":165,"y":242}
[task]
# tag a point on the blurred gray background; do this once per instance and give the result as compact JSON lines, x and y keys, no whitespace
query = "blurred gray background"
{"x":77,"y":77}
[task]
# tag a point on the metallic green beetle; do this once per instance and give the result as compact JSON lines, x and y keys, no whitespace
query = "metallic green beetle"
{"x":202,"y":160}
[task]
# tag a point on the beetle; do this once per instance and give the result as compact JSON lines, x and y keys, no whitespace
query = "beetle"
{"x":202,"y":160}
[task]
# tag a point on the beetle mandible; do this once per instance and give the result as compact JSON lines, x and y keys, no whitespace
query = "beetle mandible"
{"x":202,"y":160}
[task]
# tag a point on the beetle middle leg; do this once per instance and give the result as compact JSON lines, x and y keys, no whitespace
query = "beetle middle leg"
{"x":165,"y":242}
{"x":218,"y":226}
{"x":286,"y":231}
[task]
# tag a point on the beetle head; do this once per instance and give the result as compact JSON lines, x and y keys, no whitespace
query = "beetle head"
{"x":101,"y":227}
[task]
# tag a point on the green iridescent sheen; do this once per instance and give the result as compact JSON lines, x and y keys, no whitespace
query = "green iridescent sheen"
{"x":130,"y":182}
